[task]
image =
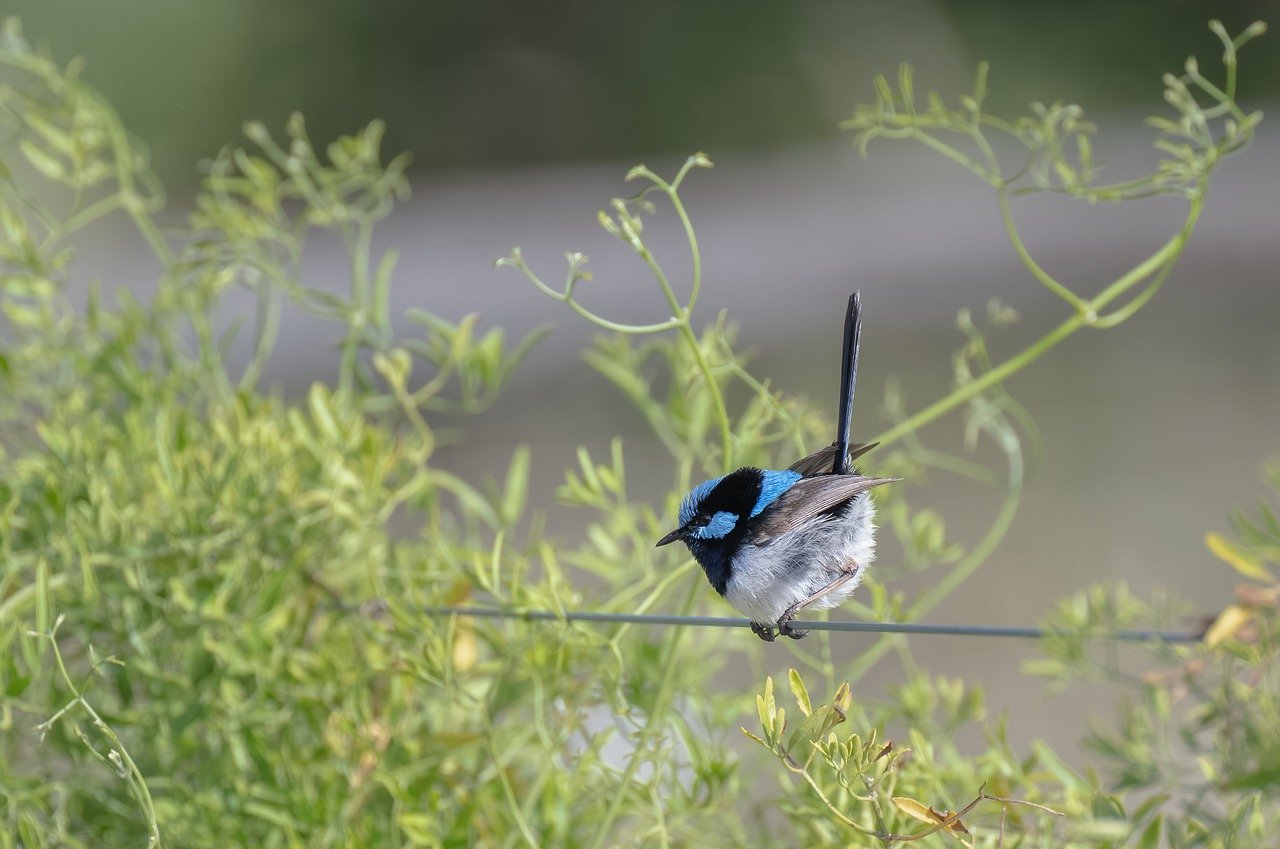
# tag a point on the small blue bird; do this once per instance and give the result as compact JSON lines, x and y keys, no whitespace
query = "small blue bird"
{"x":774,"y":542}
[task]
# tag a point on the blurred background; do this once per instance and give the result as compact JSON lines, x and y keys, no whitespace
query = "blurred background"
{"x":523,"y":118}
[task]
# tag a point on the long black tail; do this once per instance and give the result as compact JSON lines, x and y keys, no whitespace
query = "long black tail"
{"x":848,"y":378}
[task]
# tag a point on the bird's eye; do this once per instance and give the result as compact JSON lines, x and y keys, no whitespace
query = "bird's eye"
{"x":701,"y":521}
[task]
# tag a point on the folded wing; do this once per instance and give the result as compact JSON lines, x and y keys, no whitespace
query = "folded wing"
{"x":807,"y":499}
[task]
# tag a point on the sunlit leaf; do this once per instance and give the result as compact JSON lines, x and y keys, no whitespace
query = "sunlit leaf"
{"x":798,"y":690}
{"x":1242,"y":562}
{"x":1228,"y":624}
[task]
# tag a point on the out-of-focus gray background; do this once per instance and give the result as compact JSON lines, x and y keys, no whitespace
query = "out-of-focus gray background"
{"x":523,"y":119}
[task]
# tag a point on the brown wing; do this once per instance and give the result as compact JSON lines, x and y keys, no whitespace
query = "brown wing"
{"x":822,"y":462}
{"x":808,"y":498}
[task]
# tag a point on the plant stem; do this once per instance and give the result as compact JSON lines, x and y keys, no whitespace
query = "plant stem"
{"x":131,"y":773}
{"x":1011,"y":229}
{"x":651,"y":725}
{"x":717,"y":399}
{"x":1165,"y":256}
{"x":958,"y":575}
{"x":359,"y":248}
{"x":861,"y":829}
{"x":512,"y":802}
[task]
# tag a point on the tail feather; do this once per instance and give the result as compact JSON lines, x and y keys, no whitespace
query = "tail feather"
{"x":848,"y":380}
{"x":822,"y":461}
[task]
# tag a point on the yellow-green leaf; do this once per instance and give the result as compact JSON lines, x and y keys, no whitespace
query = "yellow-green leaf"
{"x":322,"y":412}
{"x":924,"y":813}
{"x":917,"y":810}
{"x":45,"y":163}
{"x":798,"y":690}
{"x":843,"y":699}
{"x":823,"y":720}
{"x":1228,"y":624}
{"x":516,"y":491}
{"x":1243,"y":563}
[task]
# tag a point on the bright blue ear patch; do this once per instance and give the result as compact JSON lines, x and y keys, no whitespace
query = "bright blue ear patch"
{"x":719,"y":526}
{"x":689,"y":507}
{"x":772,"y":485}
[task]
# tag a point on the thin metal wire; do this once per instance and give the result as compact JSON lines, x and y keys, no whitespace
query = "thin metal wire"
{"x":862,"y":627}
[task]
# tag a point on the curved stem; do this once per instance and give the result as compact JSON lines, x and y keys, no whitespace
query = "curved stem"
{"x":566,"y":298}
{"x":83,"y":217}
{"x":1165,"y":256}
{"x":1167,"y":253}
{"x":1120,"y":314}
{"x":268,"y":328}
{"x":680,"y":318}
{"x":978,"y":385}
{"x":1011,"y":229}
{"x":717,"y":398}
{"x":949,"y":152}
{"x":694,"y":251}
{"x":133,"y":203}
{"x":513,"y":804}
{"x":979,"y":554}
{"x":861,"y":829}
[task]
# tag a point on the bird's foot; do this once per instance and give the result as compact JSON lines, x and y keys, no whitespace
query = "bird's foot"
{"x":785,"y":629}
{"x":764,"y":632}
{"x":790,"y":612}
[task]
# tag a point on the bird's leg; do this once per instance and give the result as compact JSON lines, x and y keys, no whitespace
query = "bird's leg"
{"x":764,"y":632}
{"x":785,"y":629}
{"x":850,"y":571}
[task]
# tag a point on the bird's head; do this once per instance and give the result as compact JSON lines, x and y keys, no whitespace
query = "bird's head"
{"x":718,"y":507}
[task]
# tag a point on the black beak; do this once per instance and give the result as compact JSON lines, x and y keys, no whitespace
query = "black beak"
{"x":678,"y":533}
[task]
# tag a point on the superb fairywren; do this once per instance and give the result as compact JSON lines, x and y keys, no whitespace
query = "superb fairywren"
{"x":773,"y":542}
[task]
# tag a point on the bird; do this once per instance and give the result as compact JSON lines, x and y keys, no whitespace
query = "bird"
{"x":775,"y":541}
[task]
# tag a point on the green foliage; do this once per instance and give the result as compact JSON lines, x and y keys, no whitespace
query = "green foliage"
{"x":1194,"y":753}
{"x":214,"y":602}
{"x":215,"y":543}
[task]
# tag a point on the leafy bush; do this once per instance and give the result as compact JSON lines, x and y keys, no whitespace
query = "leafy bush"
{"x":217,"y":604}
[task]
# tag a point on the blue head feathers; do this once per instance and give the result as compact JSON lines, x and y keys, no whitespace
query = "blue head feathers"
{"x":720,"y":502}
{"x":714,"y":516}
{"x":689,"y":507}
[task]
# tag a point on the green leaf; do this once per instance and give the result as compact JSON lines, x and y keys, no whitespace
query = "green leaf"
{"x":814,"y":727}
{"x":1150,"y":838}
{"x":22,"y":315}
{"x":516,"y":490}
{"x":15,"y":681}
{"x":1266,"y":777}
{"x":1060,"y":771}
{"x":421,"y":829}
{"x":45,"y":163}
{"x":799,"y":691}
{"x":318,"y":400}
{"x":1242,"y":562}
